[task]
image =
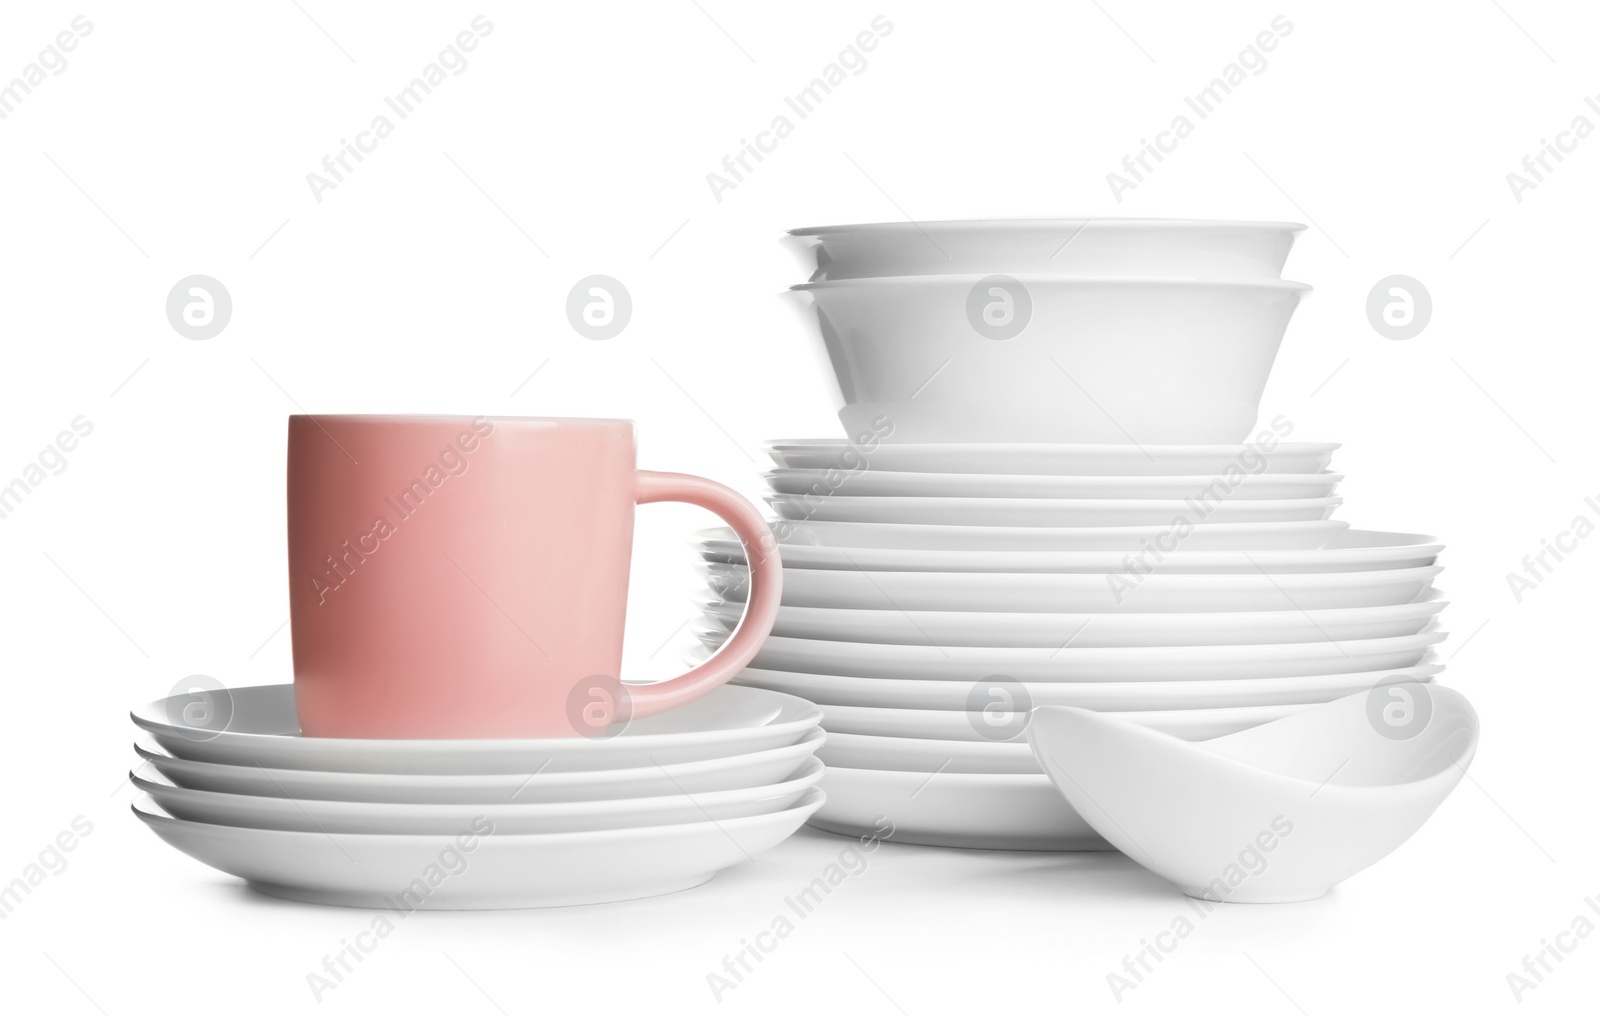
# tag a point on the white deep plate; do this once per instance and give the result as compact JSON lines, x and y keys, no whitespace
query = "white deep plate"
{"x":1238,"y":537}
{"x":734,"y":772}
{"x":1008,"y":694}
{"x":263,"y":731}
{"x":1045,"y":511}
{"x":1349,"y":550}
{"x":864,"y":590}
{"x":885,"y":483}
{"x":335,"y":817}
{"x":995,"y":812}
{"x":1066,"y":662}
{"x":440,"y":872}
{"x":989,"y":727}
{"x":1086,"y":631}
{"x":1315,"y":797}
{"x":1051,"y":459}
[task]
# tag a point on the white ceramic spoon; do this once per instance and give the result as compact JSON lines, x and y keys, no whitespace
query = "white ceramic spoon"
{"x":1278,"y":813}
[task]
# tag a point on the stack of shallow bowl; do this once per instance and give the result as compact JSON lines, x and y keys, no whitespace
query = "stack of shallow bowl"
{"x":967,"y":555}
{"x":475,"y":824}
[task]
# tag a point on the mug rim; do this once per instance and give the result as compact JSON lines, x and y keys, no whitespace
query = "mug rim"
{"x":436,"y":418}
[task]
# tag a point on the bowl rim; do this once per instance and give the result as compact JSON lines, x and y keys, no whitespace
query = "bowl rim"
{"x":1044,"y":280}
{"x":1048,"y":222}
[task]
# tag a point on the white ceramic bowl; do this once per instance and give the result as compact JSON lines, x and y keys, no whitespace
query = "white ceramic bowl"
{"x":1170,"y":248}
{"x":1119,"y":361}
{"x":1274,"y":814}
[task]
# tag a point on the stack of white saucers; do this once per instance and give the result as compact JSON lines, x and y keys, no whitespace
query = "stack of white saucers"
{"x":660,"y":806}
{"x":933,"y":594}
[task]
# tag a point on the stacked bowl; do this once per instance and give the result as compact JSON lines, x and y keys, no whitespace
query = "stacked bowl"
{"x":659,"y":806}
{"x":1014,"y":521}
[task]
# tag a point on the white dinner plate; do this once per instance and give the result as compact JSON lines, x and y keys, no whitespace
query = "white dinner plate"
{"x":1039,"y":593}
{"x":263,"y":731}
{"x":1349,"y":550}
{"x":1086,"y":631}
{"x":734,"y":772}
{"x":995,"y":812}
{"x":1010,"y":694}
{"x":1046,"y":511}
{"x":1234,"y":536}
{"x":884,"y":483}
{"x":927,"y":755}
{"x":340,"y":817}
{"x":1050,"y":459}
{"x":985,"y":755}
{"x":1065,"y":662}
{"x":989,"y":726}
{"x":477,"y":869}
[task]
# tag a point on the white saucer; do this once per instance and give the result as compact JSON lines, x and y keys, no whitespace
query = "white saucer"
{"x":995,"y":812}
{"x":1087,"y":631}
{"x":1346,"y":550}
{"x":733,"y":772}
{"x":474,"y":870}
{"x":1041,"y":511}
{"x":1048,"y":459}
{"x":1158,"y":593}
{"x":360,"y":817}
{"x":263,"y":731}
{"x":1122,"y":696}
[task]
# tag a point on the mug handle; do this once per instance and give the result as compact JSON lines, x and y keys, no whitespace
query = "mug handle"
{"x":766,"y":588}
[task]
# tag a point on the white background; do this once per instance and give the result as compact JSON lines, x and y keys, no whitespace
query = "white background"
{"x":177,"y":141}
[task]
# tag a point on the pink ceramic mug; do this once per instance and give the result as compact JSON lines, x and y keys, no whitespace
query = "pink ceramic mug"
{"x":468,"y":577}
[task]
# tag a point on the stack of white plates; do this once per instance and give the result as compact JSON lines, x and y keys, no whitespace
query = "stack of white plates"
{"x":476,"y":824}
{"x":933,"y":594}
